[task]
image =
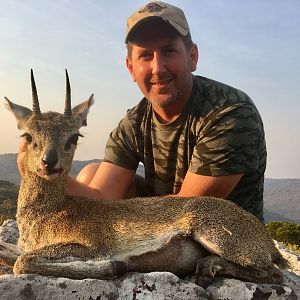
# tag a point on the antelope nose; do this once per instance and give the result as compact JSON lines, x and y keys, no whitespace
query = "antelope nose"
{"x":50,"y":159}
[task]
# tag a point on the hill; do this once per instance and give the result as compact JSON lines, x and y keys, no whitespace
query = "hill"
{"x":282,"y":200}
{"x":8,"y":200}
{"x":281,"y":196}
{"x":8,"y":168}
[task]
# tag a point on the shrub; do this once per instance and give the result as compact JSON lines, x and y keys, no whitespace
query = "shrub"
{"x":286,"y":232}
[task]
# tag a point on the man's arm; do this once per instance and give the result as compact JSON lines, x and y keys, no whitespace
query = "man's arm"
{"x":199,"y":185}
{"x":228,"y":149}
{"x":109,"y":181}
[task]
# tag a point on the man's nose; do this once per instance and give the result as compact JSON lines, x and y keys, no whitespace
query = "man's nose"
{"x":158,"y":64}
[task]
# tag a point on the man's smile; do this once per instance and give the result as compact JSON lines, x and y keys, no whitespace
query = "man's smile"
{"x":161,"y":82}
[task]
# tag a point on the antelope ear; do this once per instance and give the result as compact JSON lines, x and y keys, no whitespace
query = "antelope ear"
{"x":21,"y":113}
{"x":81,"y":111}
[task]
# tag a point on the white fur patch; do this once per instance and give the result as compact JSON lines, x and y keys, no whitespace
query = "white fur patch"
{"x":145,"y":245}
{"x":208,"y":245}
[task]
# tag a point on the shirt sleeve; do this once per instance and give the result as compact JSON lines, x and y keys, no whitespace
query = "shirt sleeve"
{"x":229,"y":142}
{"x":121,"y":146}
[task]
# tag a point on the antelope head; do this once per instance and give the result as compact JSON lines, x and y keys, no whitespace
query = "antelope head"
{"x":51,"y":137}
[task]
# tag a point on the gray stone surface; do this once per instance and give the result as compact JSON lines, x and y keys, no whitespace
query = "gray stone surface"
{"x":9,"y":232}
{"x":156,"y":285}
{"x":223,"y":289}
{"x":136,"y":286}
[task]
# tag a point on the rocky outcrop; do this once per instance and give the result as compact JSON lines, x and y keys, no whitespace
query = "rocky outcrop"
{"x":155,"y":285}
{"x":135,"y":286}
{"x":227,"y":289}
{"x":9,"y":232}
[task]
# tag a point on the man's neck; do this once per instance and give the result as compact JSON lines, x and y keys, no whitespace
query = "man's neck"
{"x":167,"y":115}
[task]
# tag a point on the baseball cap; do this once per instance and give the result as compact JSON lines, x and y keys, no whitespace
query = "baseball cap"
{"x":157,"y":9}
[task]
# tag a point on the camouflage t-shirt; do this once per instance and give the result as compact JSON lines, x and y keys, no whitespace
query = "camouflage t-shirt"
{"x":219,"y":132}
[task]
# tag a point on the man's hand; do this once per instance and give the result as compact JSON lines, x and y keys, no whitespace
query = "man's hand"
{"x":20,"y":159}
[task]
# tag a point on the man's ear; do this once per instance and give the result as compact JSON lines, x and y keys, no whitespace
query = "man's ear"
{"x":130,"y":68}
{"x":194,"y":54}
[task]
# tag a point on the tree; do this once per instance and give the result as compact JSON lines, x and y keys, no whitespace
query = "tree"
{"x":286,"y":232}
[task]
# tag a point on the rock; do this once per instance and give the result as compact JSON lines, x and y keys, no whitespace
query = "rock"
{"x":291,"y":257}
{"x":9,"y":232}
{"x":223,"y":289}
{"x":155,"y":285}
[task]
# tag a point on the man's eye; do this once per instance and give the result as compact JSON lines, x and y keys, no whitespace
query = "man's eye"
{"x":145,"y":56}
{"x":170,"y":51}
{"x":28,"y":137}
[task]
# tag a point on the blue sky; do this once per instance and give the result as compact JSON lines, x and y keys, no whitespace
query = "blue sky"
{"x":253,"y":45}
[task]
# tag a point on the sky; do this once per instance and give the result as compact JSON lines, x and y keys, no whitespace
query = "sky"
{"x":253,"y":45}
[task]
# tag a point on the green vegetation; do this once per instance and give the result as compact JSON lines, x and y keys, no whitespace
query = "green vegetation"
{"x":8,"y":200}
{"x":287,"y":233}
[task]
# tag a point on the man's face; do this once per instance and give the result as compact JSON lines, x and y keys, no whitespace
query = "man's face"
{"x":161,"y":65}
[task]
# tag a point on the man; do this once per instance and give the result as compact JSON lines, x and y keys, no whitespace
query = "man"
{"x":195,"y":136}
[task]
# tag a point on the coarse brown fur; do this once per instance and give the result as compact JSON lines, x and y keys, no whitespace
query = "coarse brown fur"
{"x":78,"y":237}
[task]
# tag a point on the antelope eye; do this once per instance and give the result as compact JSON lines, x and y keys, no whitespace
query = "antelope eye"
{"x":28,"y":137}
{"x":72,"y":140}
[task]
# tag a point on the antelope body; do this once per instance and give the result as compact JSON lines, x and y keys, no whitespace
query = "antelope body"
{"x":76,"y":237}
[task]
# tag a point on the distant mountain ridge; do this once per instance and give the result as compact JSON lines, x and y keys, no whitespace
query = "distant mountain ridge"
{"x":281,"y":196}
{"x":282,"y":199}
{"x":8,"y":168}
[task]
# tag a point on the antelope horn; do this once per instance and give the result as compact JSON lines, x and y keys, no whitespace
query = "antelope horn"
{"x":68,"y":109}
{"x":35,"y":100}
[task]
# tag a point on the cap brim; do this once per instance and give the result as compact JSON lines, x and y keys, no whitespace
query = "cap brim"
{"x":178,"y":28}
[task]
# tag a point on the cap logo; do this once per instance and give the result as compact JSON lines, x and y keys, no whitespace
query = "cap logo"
{"x":152,"y":8}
